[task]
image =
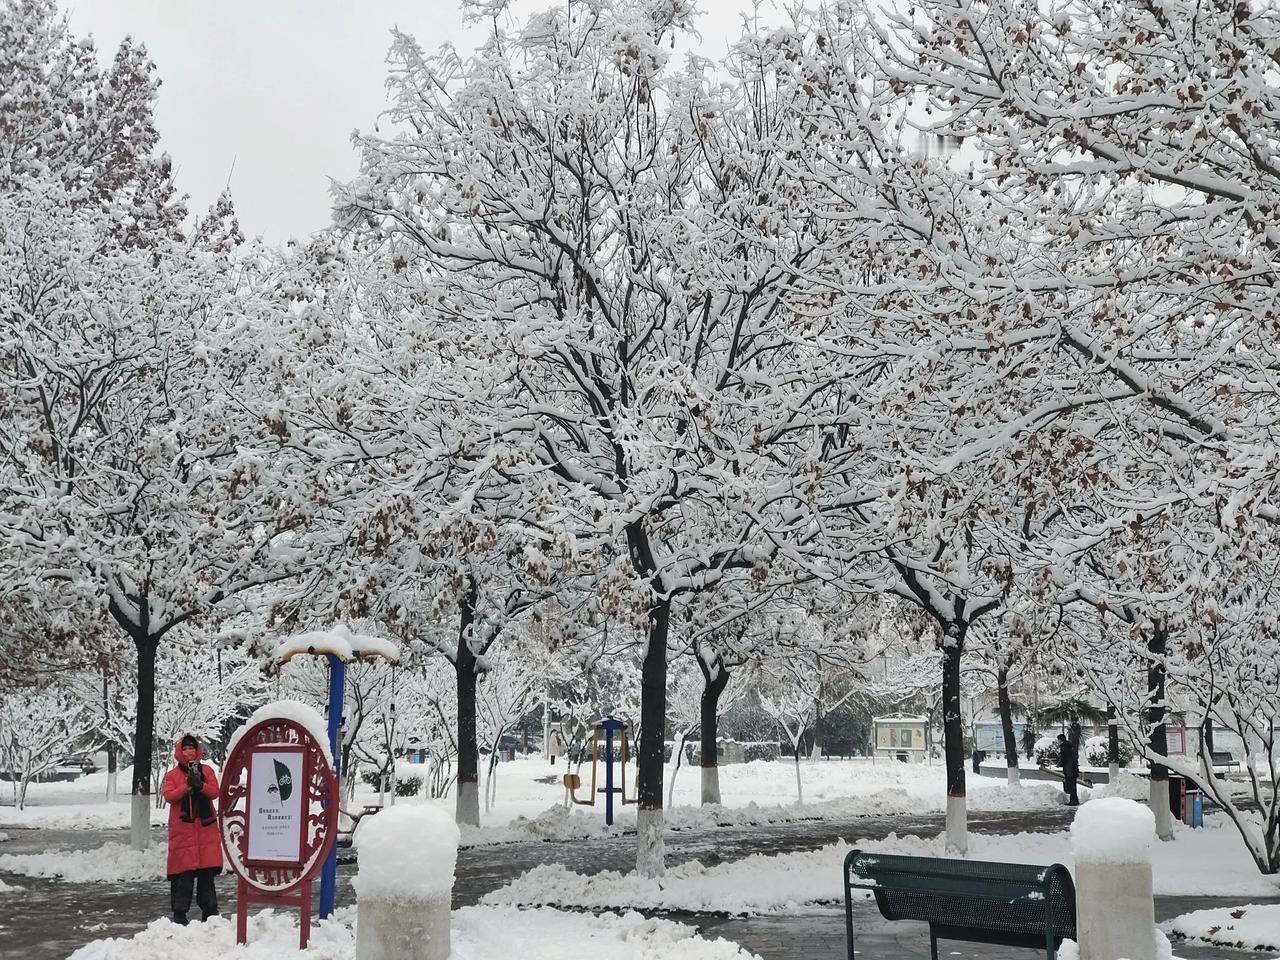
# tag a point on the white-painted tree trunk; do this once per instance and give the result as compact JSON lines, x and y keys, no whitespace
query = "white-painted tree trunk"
{"x":1113,"y":772}
{"x":467,"y":805}
{"x":1015,"y":776}
{"x":1159,"y":801}
{"x":677,"y":757}
{"x":710,"y":785}
{"x":139,"y":821}
{"x":799,"y":785}
{"x":651,"y":847}
{"x":957,"y":826}
{"x":113,"y":786}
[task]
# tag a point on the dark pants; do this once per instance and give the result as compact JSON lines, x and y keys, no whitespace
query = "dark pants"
{"x":1069,"y":785}
{"x":180,"y":885}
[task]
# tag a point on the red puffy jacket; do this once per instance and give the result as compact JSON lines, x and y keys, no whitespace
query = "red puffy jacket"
{"x":192,"y":845}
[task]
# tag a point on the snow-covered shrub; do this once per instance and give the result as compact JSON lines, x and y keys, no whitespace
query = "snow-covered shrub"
{"x":761,"y":750}
{"x":1047,"y":751}
{"x":1095,"y":752}
{"x":410,"y":778}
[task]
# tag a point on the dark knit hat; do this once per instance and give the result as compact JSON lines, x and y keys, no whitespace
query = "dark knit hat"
{"x":190,"y":740}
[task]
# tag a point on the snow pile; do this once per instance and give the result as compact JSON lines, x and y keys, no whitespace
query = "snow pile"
{"x":1250,"y":927}
{"x":340,"y":641}
{"x":406,"y":852}
{"x":272,"y":936}
{"x":758,"y":884}
{"x":111,"y":863}
{"x":1128,"y":785}
{"x":3,"y":836}
{"x":1070,"y":950}
{"x":9,"y":887}
{"x":1113,"y":830}
{"x":303,"y":714}
{"x":478,"y":933}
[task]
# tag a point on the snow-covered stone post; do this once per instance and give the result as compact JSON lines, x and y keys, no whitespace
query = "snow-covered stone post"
{"x":404,"y":883}
{"x":1115,"y":909}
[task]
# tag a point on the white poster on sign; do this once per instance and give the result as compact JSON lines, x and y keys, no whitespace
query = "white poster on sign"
{"x":275,"y":806}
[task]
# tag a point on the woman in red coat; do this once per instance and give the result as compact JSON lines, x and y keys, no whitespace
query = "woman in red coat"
{"x":195,"y":849}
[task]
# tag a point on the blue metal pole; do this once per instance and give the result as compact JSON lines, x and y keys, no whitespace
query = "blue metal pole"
{"x":337,"y":684}
{"x":608,"y":772}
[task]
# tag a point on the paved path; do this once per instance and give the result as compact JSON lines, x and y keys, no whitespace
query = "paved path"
{"x":52,"y":918}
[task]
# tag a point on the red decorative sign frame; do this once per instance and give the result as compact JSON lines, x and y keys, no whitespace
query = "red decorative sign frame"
{"x":273,"y":882}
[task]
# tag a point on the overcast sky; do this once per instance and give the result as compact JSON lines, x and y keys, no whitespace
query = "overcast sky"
{"x":276,"y":87}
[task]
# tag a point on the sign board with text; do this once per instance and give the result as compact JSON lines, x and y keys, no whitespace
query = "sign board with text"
{"x":278,"y":816}
{"x":276,"y":806}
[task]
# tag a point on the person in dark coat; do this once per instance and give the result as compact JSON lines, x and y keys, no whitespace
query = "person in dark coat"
{"x":1069,"y":759}
{"x":195,"y":848}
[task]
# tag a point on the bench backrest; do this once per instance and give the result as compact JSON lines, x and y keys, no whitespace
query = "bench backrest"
{"x":1013,"y":897}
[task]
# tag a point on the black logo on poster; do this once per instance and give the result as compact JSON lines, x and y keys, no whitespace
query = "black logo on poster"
{"x":284,"y":782}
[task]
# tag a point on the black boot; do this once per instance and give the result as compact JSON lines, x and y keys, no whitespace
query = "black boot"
{"x":180,"y":919}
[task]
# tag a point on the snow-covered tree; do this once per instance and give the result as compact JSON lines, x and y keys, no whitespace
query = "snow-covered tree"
{"x":131,"y":473}
{"x":38,"y":729}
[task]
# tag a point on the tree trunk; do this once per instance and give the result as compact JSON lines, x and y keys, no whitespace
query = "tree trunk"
{"x":467,"y":806}
{"x":650,"y":845}
{"x":799,"y":785}
{"x":112,"y":773}
{"x":677,"y":758}
{"x":953,"y":739}
{"x":1158,"y":742}
{"x":1206,"y":737}
{"x":106,"y":725}
{"x":713,"y":686}
{"x":1113,"y":744}
{"x":1006,"y":726}
{"x":144,"y":735}
{"x":819,"y":719}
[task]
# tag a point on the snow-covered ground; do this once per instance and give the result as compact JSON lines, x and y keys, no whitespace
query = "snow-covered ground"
{"x":478,"y":933}
{"x":1252,"y":926}
{"x":759,"y":792}
{"x":1209,"y":862}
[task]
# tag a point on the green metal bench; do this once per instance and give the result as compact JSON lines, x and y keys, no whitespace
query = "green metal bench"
{"x":1011,"y":904}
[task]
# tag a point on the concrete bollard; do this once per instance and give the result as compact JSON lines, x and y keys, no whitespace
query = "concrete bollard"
{"x":404,"y":884}
{"x":1115,"y":909}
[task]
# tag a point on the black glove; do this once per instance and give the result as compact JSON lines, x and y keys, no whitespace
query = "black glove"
{"x":195,"y":779}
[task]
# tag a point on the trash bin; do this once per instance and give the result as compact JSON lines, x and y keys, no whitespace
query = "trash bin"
{"x":1178,"y":796}
{"x":1195,"y":808}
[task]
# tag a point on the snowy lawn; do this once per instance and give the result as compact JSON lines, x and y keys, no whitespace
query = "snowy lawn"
{"x":753,"y":793}
{"x":1210,"y":862}
{"x":79,"y":804}
{"x":1249,"y":927}
{"x":479,"y":933}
